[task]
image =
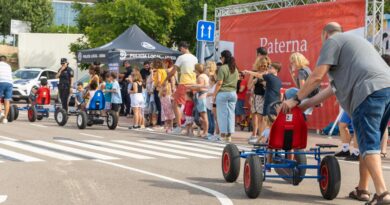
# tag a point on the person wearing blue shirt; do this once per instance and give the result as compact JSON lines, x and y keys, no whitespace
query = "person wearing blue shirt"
{"x":116,"y":97}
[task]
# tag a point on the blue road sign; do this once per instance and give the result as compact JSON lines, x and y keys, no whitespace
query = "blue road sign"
{"x":205,"y":31}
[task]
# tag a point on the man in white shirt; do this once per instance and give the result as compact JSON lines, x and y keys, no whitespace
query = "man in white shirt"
{"x":5,"y":87}
{"x":186,"y":65}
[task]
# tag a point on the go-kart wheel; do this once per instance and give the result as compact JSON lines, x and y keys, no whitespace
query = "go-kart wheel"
{"x":11,"y":114}
{"x":331,"y":177}
{"x":230,"y":163}
{"x":253,"y":176}
{"x":298,"y":173}
{"x":32,"y":114}
{"x":39,"y":117}
{"x":61,"y":116}
{"x":16,"y":111}
{"x":112,"y":120}
{"x":82,"y":120}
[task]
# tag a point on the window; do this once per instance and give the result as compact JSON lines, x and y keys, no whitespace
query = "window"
{"x":52,"y":75}
{"x":45,"y":74}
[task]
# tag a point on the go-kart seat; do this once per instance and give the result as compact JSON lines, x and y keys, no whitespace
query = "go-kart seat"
{"x":43,"y":96}
{"x":289,"y":131}
{"x":97,"y":102}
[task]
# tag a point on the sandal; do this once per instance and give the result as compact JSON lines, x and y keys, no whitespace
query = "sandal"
{"x":383,"y":155}
{"x":357,"y":194}
{"x":380,"y":199}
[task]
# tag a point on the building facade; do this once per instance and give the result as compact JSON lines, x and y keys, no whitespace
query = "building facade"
{"x":63,"y":12}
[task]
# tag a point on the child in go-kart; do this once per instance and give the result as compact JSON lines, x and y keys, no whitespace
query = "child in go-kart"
{"x":89,"y":95}
{"x":40,"y":95}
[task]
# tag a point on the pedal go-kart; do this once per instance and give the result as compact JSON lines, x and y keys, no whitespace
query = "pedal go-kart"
{"x":286,"y":155}
{"x":13,"y":113}
{"x":90,"y":116}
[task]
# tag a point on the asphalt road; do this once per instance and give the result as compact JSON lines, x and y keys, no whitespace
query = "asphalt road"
{"x":42,"y":163}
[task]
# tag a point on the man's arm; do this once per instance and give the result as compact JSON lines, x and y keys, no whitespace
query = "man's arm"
{"x":255,"y":74}
{"x":317,"y":99}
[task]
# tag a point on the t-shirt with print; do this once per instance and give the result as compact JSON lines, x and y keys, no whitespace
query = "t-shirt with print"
{"x":272,"y":89}
{"x":116,"y":97}
{"x":303,"y":74}
{"x":356,"y":69}
{"x":242,"y":95}
{"x":229,"y":80}
{"x":5,"y":73}
{"x":186,"y":63}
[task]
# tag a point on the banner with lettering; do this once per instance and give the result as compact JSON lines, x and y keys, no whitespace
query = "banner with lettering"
{"x":284,"y":31}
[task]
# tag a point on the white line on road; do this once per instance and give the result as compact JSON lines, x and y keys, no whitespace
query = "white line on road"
{"x":165,"y":149}
{"x":3,"y":198}
{"x":89,"y":135}
{"x":182,"y":147}
{"x":41,"y":151}
{"x":195,"y":145}
{"x":36,"y":125}
{"x":136,"y":149}
{"x":73,"y":150}
{"x":103,"y":149}
{"x":219,"y":144}
{"x":7,"y":138}
{"x":18,"y":156}
{"x":222,"y":198}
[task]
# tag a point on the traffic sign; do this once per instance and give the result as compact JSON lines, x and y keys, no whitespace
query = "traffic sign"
{"x":205,"y":31}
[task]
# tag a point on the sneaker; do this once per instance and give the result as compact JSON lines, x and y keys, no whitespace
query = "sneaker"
{"x":149,"y":129}
{"x":342,"y":154}
{"x":253,"y":140}
{"x":352,"y":157}
{"x":177,"y":130}
{"x":5,"y":121}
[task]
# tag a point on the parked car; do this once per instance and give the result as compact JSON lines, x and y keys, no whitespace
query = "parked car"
{"x":25,"y":79}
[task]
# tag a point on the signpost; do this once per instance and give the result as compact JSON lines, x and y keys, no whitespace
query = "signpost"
{"x":205,"y":31}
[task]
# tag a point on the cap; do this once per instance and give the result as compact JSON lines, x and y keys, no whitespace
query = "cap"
{"x":64,"y":60}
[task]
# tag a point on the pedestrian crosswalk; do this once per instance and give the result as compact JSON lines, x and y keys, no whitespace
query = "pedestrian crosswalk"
{"x":74,"y":150}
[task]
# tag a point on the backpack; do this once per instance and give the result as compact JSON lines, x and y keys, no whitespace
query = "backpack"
{"x":315,"y":91}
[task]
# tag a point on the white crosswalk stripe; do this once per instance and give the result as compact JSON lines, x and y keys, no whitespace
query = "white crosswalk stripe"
{"x":18,"y":156}
{"x":103,"y":149}
{"x":73,"y":150}
{"x":217,"y":144}
{"x":182,"y":147}
{"x":40,"y":151}
{"x":165,"y":149}
{"x":136,"y":149}
{"x":195,"y":145}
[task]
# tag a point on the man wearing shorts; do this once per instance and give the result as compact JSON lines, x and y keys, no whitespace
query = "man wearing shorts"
{"x":360,"y":79}
{"x":185,"y":64}
{"x":5,"y":88}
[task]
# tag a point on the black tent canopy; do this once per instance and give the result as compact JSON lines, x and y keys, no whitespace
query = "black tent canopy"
{"x":132,"y":45}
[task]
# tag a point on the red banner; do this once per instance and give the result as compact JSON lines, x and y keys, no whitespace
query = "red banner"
{"x":284,"y":31}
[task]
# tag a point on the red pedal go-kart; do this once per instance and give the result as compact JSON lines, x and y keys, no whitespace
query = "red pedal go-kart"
{"x":286,"y":154}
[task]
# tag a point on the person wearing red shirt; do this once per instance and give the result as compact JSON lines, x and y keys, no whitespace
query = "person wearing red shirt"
{"x":241,"y":95}
{"x":188,"y":113}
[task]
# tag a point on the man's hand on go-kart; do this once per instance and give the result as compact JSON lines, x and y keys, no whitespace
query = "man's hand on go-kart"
{"x":287,"y":105}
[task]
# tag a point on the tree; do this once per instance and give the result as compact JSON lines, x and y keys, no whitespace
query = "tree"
{"x":105,"y":20}
{"x":387,"y":7}
{"x":38,"y":12}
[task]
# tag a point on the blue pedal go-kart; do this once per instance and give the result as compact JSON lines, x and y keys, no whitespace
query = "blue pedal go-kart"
{"x":90,"y":116}
{"x":285,"y":153}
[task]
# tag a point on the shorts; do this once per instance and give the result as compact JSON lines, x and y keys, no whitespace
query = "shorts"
{"x":345,"y":118}
{"x":6,"y":91}
{"x":108,"y":106}
{"x":201,"y":105}
{"x":115,"y":107}
{"x":137,"y":100}
{"x":240,"y":107}
{"x":180,"y":94}
{"x":257,"y":104}
{"x":189,"y":120}
{"x":370,"y":120}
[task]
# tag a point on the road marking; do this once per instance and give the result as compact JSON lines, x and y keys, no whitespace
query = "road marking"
{"x":7,"y":138}
{"x":74,"y":150}
{"x":89,"y":135}
{"x":36,"y":125}
{"x":41,"y":151}
{"x":219,"y":144}
{"x":182,"y":147}
{"x":3,"y":198}
{"x":350,"y":162}
{"x":165,"y":149}
{"x":136,"y":149}
{"x":18,"y":156}
{"x":103,"y":149}
{"x":194,"y":145}
{"x":223,"y":199}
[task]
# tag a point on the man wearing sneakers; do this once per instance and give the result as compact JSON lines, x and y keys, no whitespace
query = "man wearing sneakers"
{"x":186,"y":65}
{"x":360,"y":79}
{"x":350,"y":153}
{"x":5,"y":87}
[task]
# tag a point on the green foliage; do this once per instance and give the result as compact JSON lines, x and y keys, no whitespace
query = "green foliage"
{"x":387,"y":7}
{"x":80,"y":44}
{"x":38,"y":12}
